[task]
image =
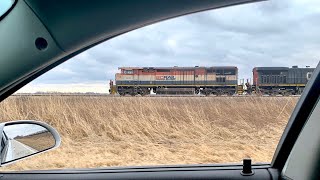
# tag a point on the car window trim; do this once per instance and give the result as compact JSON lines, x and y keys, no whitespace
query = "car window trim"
{"x":156,"y":168}
{"x":297,"y":120}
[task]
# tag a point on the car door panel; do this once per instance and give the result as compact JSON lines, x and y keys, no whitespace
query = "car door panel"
{"x":229,"y":172}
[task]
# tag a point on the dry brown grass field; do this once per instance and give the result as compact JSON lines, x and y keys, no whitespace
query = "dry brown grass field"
{"x":126,"y":131}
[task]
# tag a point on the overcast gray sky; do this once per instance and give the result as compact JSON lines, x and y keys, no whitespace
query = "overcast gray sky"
{"x":273,"y":33}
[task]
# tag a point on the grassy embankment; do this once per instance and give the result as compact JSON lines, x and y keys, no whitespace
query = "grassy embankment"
{"x":115,"y":131}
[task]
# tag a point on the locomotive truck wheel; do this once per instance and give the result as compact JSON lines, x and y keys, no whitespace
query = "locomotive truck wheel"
{"x":207,"y":93}
{"x":230,"y":93}
{"x":286,"y":93}
{"x":146,"y":91}
{"x":143,"y":92}
{"x":128,"y":93}
{"x":218,"y":92}
{"x":223,"y":92}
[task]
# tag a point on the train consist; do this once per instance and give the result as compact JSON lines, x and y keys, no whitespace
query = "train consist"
{"x":219,"y":80}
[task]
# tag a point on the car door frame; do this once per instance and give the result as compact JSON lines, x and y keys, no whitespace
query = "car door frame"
{"x":231,"y":171}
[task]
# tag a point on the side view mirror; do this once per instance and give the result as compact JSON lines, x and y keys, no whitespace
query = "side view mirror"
{"x":25,"y":138}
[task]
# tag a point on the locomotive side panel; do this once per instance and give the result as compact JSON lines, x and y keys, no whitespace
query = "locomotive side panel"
{"x":220,"y":81}
{"x":281,"y":80}
{"x":178,"y":77}
{"x":222,"y":76}
{"x":187,"y":79}
{"x":299,"y":75}
{"x":163,"y":77}
{"x":211,"y":77}
{"x":200,"y":76}
{"x":187,"y":76}
{"x":122,"y":79}
{"x":268,"y":76}
{"x":146,"y":79}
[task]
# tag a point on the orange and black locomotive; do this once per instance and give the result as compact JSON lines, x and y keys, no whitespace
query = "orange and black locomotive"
{"x":218,"y":80}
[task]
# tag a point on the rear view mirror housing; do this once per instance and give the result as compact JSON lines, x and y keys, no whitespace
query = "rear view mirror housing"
{"x":25,"y":138}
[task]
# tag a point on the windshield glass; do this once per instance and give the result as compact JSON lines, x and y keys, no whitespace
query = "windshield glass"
{"x":5,"y":5}
{"x":212,"y":87}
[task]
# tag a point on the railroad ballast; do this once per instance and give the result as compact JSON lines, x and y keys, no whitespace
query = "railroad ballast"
{"x":218,"y":80}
